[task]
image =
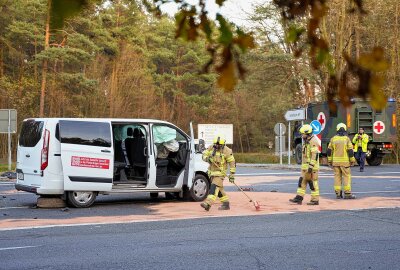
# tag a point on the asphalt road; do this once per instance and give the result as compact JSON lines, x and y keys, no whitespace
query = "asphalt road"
{"x":382,"y":181}
{"x":368,"y":239}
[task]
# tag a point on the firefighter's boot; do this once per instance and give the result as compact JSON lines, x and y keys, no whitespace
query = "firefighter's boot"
{"x":224,"y":206}
{"x":349,"y":196}
{"x":206,"y":206}
{"x":298,"y":199}
{"x":339,"y":195}
{"x":313,"y":203}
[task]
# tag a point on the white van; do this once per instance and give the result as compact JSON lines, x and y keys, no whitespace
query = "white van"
{"x":81,"y":158}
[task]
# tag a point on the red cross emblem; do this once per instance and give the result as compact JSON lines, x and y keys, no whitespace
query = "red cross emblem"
{"x":322,"y":120}
{"x":379,"y":127}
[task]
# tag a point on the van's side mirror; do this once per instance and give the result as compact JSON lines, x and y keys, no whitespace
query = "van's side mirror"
{"x":201,"y":146}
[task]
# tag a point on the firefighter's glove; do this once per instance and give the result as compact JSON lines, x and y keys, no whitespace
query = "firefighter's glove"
{"x":231,"y":178}
{"x":309,"y":170}
{"x":352,"y":161}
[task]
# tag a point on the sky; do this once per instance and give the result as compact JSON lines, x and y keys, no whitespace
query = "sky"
{"x":235,"y":10}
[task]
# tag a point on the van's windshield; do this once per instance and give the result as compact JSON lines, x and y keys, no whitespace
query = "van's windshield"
{"x":31,"y":133}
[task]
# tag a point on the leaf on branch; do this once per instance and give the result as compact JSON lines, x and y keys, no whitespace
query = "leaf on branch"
{"x":220,"y":2}
{"x":244,"y":41}
{"x":374,"y":61}
{"x":60,"y":10}
{"x":225,"y":30}
{"x":378,"y":98}
{"x":227,"y":78}
{"x":294,"y":33}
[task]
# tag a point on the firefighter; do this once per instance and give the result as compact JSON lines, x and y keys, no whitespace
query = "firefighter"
{"x":218,"y":156}
{"x":341,"y":157}
{"x":360,"y":142}
{"x":309,"y":167}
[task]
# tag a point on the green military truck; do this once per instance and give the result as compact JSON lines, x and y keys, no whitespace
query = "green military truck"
{"x":381,"y":126}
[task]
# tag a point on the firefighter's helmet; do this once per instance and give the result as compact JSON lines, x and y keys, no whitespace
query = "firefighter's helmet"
{"x":306,"y":129}
{"x":341,"y":125}
{"x":219,"y":139}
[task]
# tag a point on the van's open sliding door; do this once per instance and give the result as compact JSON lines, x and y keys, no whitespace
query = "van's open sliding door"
{"x":87,"y":155}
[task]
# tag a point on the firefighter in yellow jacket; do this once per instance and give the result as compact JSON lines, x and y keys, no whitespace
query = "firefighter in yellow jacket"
{"x":341,"y":157}
{"x":309,"y":167}
{"x":360,"y":142}
{"x":218,"y":156}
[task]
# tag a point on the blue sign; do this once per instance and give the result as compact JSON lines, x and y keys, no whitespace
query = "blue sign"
{"x":316,"y":127}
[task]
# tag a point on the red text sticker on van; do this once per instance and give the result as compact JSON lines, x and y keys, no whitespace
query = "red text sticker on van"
{"x":88,"y":162}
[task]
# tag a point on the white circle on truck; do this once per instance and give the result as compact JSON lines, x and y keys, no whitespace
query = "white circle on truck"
{"x":379,"y":127}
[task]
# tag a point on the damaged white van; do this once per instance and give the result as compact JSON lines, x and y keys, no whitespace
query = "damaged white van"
{"x":78,"y":159}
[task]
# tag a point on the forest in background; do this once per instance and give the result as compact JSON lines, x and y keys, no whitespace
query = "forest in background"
{"x":118,"y":60}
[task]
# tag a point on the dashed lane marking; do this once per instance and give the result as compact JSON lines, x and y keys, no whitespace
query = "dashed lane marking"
{"x":14,"y":207}
{"x":11,"y":248}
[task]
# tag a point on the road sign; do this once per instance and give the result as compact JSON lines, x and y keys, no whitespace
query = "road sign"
{"x":322,"y":120}
{"x":316,"y":126}
{"x":294,"y":115}
{"x":280,"y":129}
{"x":8,"y":117}
{"x":207,"y":132}
{"x":379,"y":127}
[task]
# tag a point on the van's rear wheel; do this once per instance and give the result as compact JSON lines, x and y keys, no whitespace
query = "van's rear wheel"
{"x":81,"y":199}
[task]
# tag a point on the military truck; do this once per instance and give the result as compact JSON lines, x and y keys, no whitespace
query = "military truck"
{"x":381,"y":126}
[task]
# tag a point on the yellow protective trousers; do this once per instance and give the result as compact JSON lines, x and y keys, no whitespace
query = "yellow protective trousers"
{"x":306,"y":178}
{"x":342,"y":176}
{"x":217,"y":191}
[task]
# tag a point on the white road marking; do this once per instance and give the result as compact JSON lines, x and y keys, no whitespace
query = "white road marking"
{"x":255,"y":174}
{"x":7,"y":184}
{"x":16,"y":193}
{"x":388,"y":173}
{"x":366,"y":192}
{"x":272,"y":184}
{"x":14,"y":207}
{"x":11,"y":248}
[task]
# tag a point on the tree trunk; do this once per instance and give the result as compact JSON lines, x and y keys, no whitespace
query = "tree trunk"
{"x":45,"y":62}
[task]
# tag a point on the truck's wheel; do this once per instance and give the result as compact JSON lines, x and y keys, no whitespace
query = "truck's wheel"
{"x":199,"y":190}
{"x":81,"y":199}
{"x":374,"y":159}
{"x":297,"y":153}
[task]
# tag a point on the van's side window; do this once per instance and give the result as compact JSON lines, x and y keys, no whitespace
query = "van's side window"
{"x":31,"y":133}
{"x":57,"y":135}
{"x":85,"y":133}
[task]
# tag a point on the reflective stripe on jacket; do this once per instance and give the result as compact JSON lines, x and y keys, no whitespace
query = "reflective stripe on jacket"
{"x":221,"y":159}
{"x":310,"y":154}
{"x":339,"y":146}
{"x":364,"y":142}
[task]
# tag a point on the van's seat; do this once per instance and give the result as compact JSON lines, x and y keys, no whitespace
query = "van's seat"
{"x":135,"y":148}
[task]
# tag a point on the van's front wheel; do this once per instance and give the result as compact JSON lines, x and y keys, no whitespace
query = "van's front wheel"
{"x":199,"y":190}
{"x":81,"y":199}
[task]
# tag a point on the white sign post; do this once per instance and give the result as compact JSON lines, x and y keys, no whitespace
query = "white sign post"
{"x":207,"y":132}
{"x":293,"y":115}
{"x":8,"y":124}
{"x":280,"y":130}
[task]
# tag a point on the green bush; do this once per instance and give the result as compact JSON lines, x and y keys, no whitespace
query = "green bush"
{"x":4,"y":167}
